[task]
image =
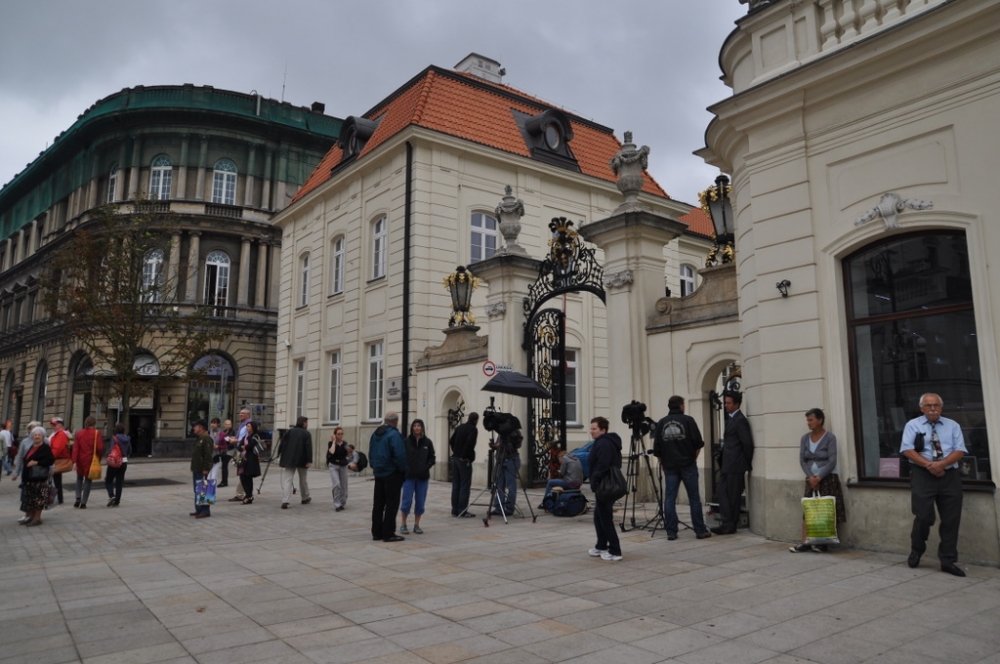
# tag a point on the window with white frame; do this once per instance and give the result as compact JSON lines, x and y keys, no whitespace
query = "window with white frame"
{"x":217,"y":281}
{"x":335,"y":372}
{"x":112,"y":183}
{"x":160,"y":176}
{"x":376,"y":369}
{"x":571,"y":401}
{"x":380,"y":247}
{"x":485,"y":236}
{"x":152,"y":276}
{"x":687,"y":280}
{"x":337,"y":278}
{"x":300,"y":387}
{"x":304,"y":280}
{"x":224,"y":182}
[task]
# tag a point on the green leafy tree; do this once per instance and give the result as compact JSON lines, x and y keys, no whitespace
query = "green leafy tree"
{"x":110,"y":286}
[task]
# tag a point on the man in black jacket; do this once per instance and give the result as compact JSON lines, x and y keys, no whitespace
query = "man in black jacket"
{"x":296,"y":455}
{"x":463,"y":453}
{"x":677,"y":443}
{"x":737,"y":455}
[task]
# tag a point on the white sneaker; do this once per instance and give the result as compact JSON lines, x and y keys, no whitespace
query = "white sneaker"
{"x":607,"y":555}
{"x":596,"y":552}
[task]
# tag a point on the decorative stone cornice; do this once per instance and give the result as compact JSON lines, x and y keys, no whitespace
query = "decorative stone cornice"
{"x":496,"y":309}
{"x":618,"y":279}
{"x":889,"y":205}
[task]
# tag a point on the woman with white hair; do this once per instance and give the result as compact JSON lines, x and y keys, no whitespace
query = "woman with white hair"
{"x":38,"y":460}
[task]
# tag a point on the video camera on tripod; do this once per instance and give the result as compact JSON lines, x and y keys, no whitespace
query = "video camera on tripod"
{"x":634,"y":415}
{"x":505,"y":425}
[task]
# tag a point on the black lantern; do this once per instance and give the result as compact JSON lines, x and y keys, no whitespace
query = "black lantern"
{"x":460,"y":284}
{"x":716,"y":203}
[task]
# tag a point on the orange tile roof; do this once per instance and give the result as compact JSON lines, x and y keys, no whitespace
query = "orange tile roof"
{"x":470,"y":108}
{"x":698,"y":222}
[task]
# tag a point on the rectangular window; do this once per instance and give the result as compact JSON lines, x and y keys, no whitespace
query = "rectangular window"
{"x":224,"y":188}
{"x":334,"y":412}
{"x":687,"y":280}
{"x":484,"y":237}
{"x":112,"y":183}
{"x":375,"y":380}
{"x":380,"y":246}
{"x":338,"y":266}
{"x":300,"y":387}
{"x":571,"y":400}
{"x":159,"y":183}
{"x":304,"y":296}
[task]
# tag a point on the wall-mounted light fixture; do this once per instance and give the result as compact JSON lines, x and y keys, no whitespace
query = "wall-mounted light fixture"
{"x":782,"y":287}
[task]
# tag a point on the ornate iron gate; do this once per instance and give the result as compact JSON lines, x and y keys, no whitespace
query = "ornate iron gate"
{"x":570,"y":267}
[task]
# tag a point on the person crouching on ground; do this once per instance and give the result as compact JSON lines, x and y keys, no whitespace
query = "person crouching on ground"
{"x":570,"y":475}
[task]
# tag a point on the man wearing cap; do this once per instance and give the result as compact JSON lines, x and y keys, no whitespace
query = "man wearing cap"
{"x":60,"y":443}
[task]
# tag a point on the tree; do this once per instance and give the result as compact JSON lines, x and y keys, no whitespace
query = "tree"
{"x":109,"y":285}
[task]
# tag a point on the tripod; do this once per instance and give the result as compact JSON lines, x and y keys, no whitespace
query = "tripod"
{"x":498,"y":468}
{"x":638,"y":456}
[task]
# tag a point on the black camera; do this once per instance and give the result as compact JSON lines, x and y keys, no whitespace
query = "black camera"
{"x":506,"y":425}
{"x":634,"y":415}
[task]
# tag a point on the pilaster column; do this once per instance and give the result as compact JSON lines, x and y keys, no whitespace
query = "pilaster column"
{"x":21,"y":249}
{"x":260,"y":292}
{"x":174,"y":267}
{"x":120,"y":179}
{"x":279,"y":201}
{"x":265,"y":192}
{"x":243,"y":293}
{"x":8,"y":258}
{"x":92,"y":187}
{"x":182,"y":168}
{"x":194,"y":264}
{"x":133,"y":185}
{"x":199,"y":186}
{"x":248,"y":178}
{"x":633,"y":278}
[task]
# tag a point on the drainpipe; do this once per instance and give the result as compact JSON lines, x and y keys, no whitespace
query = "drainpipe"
{"x":407,"y":211}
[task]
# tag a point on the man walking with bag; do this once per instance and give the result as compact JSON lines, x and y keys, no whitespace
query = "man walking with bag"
{"x":201,"y":465}
{"x":604,"y":455}
{"x":296,"y":454}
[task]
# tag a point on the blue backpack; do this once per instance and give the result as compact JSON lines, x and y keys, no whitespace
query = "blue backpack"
{"x":569,"y":503}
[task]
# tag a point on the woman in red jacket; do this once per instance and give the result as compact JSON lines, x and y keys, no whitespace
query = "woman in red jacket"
{"x":86,"y":443}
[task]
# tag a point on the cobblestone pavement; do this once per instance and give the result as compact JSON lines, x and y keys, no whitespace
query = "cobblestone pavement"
{"x":145,"y":582}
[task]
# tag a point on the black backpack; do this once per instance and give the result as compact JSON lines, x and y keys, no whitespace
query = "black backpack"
{"x":362,"y":461}
{"x":569,"y":503}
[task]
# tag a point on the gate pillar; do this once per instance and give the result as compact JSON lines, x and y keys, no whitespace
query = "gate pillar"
{"x":634,"y":270}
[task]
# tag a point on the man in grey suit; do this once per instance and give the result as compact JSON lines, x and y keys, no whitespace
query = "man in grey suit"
{"x":737,"y":455}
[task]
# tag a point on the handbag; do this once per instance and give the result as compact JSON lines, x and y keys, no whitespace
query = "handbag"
{"x":613,"y":485}
{"x":820,"y":516}
{"x":115,"y":457}
{"x":63,"y":466}
{"x":36,"y":473}
{"x":95,"y":464}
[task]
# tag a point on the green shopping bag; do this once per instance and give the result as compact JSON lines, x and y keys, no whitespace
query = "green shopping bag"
{"x":820,"y":514}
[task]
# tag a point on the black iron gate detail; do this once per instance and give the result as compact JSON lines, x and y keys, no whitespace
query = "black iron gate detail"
{"x":570,"y":267}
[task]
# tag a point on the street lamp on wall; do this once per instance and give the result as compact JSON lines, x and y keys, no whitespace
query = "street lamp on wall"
{"x":715,"y":201}
{"x":460,"y":284}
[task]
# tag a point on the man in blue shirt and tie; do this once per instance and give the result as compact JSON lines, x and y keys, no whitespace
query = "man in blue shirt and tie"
{"x":934,"y":445}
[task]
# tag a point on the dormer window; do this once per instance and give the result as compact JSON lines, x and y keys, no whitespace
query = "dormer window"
{"x":354,"y":134}
{"x":547,"y":135}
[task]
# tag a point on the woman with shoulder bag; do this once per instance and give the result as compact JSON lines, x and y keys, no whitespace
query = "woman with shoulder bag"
{"x":605,"y":455}
{"x":117,"y":464}
{"x":419,"y":459}
{"x":248,"y":461}
{"x":818,"y":458}
{"x":38,"y":462}
{"x":87,"y":445}
{"x":336,"y":461}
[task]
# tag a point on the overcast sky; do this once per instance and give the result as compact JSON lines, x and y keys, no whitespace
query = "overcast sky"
{"x":649,"y":66}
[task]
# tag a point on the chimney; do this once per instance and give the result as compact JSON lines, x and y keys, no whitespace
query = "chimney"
{"x":482,"y":67}
{"x":318,"y":107}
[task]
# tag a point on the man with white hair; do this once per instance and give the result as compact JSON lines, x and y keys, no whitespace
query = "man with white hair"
{"x":934,"y":445}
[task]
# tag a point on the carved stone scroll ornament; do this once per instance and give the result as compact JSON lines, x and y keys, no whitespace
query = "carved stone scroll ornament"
{"x":618,"y":279}
{"x":890,"y":205}
{"x":496,"y":309}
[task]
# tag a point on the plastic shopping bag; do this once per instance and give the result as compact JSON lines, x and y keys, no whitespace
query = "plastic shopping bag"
{"x":206,"y":492}
{"x":820,"y":514}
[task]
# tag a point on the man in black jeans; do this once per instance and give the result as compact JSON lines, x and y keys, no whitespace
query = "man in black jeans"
{"x":387,"y":452}
{"x":605,"y":454}
{"x":463,"y":453}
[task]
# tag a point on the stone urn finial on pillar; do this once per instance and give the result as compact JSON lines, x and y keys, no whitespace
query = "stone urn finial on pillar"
{"x":509,"y":212}
{"x":628,"y":165}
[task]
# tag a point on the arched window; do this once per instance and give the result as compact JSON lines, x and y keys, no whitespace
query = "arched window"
{"x":160,"y":176}
{"x":217,"y":282}
{"x":687,"y":280}
{"x":112,"y":183}
{"x":41,"y":391}
{"x":224,"y":182}
{"x":304,"y":280}
{"x":210,"y":390}
{"x":912,"y":330}
{"x":380,"y":247}
{"x":152,"y":276}
{"x":485,"y":237}
{"x":337,"y":278}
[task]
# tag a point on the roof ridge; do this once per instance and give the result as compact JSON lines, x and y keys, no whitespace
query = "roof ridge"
{"x":425,"y":93}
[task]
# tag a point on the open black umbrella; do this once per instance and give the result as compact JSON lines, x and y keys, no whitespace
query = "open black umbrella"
{"x":512,"y":382}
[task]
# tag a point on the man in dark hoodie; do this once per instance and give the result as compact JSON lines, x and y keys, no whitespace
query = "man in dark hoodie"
{"x":387,"y":453}
{"x":606,"y":452}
